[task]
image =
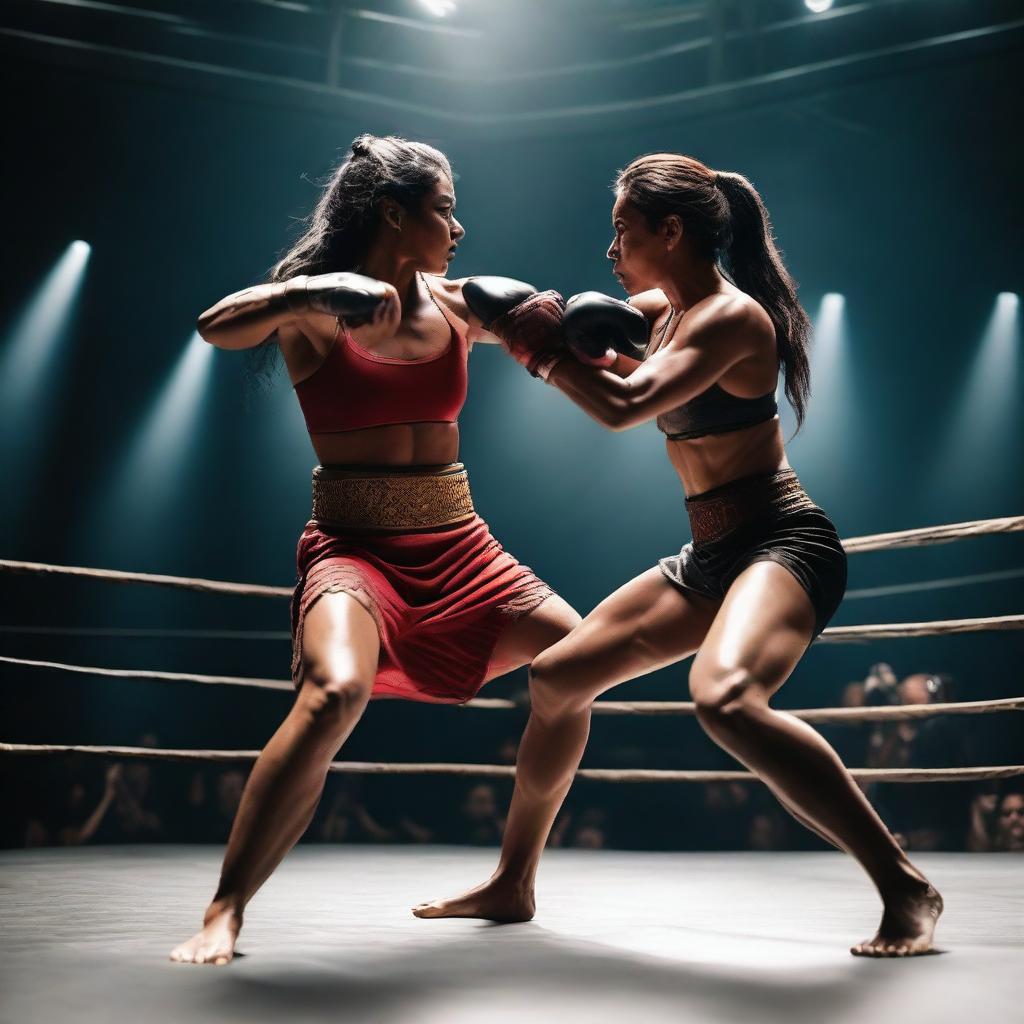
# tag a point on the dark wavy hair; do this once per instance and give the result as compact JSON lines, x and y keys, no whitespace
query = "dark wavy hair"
{"x":727,"y":222}
{"x":341,"y":227}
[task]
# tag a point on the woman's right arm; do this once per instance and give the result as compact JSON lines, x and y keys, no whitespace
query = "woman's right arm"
{"x":247,"y":318}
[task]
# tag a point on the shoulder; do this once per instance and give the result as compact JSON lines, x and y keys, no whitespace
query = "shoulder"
{"x":731,"y":318}
{"x":449,"y":293}
{"x":653,"y":304}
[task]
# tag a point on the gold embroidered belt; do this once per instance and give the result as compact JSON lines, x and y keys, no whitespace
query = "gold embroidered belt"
{"x":376,"y":498}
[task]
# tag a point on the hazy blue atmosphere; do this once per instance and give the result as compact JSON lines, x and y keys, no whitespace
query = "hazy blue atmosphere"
{"x":900,"y":191}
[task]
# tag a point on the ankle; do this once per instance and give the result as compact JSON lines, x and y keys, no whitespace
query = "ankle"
{"x":221,"y":905}
{"x":906,"y":881}
{"x":508,"y":878}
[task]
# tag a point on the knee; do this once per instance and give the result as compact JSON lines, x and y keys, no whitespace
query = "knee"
{"x":552,"y":693}
{"x":726,"y":697}
{"x":333,"y":697}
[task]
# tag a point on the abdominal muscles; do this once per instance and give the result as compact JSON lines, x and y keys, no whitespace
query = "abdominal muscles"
{"x":707,"y":462}
{"x":400,"y":444}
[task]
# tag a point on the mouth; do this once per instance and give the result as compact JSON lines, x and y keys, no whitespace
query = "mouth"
{"x":451,"y":253}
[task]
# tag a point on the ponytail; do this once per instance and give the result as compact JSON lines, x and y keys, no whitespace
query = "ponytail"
{"x":726,"y":222}
{"x":750,"y":257}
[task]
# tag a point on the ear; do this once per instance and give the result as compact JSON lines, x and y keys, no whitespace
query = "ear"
{"x":671,"y":231}
{"x":391,"y":212}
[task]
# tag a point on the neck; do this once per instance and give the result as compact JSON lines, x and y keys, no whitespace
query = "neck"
{"x":384,"y":264}
{"x":691,"y":281}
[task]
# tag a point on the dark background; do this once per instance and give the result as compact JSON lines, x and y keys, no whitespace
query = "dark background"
{"x":899,"y":189}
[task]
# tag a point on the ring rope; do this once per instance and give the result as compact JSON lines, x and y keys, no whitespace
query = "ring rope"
{"x":153,"y":633}
{"x":152,"y":579}
{"x":937,"y":627}
{"x":133,"y":673}
{"x":855,"y":594}
{"x":156,"y":633}
{"x":859,"y":593}
{"x":874,"y":542}
{"x":933,"y":534}
{"x":899,"y":712}
{"x":502,"y":771}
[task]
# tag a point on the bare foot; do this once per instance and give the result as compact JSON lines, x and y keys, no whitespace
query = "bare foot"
{"x":495,"y":900}
{"x":908,"y":923}
{"x":215,"y":944}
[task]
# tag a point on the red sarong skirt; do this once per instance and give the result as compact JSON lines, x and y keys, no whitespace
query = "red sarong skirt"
{"x":440,"y":598}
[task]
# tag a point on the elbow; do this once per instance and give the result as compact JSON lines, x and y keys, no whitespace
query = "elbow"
{"x":217,"y":330}
{"x":617,"y":415}
{"x":204,"y":326}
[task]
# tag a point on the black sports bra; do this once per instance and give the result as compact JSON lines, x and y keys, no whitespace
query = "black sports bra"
{"x":715,"y":411}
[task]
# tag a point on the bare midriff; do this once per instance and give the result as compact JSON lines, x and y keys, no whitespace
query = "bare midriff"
{"x":399,"y":444}
{"x":704,"y":463}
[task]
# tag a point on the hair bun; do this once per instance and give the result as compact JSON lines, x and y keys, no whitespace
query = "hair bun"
{"x":362,"y":145}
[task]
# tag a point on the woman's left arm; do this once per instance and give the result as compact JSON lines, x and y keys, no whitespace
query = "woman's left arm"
{"x":705,"y":347}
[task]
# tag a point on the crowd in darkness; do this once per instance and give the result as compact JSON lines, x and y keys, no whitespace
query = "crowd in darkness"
{"x":76,"y":800}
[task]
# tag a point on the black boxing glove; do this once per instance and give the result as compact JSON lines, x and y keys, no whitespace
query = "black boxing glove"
{"x":491,"y":297}
{"x":596,"y":327}
{"x":352,"y":297}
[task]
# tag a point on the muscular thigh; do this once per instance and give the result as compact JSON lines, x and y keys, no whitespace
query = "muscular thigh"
{"x":646,"y":624}
{"x":532,"y":633}
{"x":762,"y":629}
{"x":339,"y":641}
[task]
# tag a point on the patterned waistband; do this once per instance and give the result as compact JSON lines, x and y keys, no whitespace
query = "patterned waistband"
{"x":718,"y":512}
{"x":372,"y":498}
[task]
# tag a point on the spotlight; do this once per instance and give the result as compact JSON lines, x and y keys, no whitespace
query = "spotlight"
{"x":827,"y":351}
{"x":983,"y":418}
{"x":830,"y":315}
{"x":43,"y":325}
{"x":829,"y":413}
{"x":438,"y":8}
{"x":156,"y":460}
{"x":1003,"y":333}
{"x":818,"y":6}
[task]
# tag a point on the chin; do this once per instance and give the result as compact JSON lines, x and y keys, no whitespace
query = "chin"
{"x":629,"y":284}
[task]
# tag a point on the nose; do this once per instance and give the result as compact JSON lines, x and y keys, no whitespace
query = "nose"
{"x":458,"y":231}
{"x":613,"y":250}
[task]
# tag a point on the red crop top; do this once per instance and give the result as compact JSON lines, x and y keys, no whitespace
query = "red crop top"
{"x":354,"y":388}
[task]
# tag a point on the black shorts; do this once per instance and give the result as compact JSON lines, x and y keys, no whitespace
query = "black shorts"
{"x":767,"y":517}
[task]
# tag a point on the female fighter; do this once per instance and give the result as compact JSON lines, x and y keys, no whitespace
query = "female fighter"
{"x":765,"y":571}
{"x":402,"y":591}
